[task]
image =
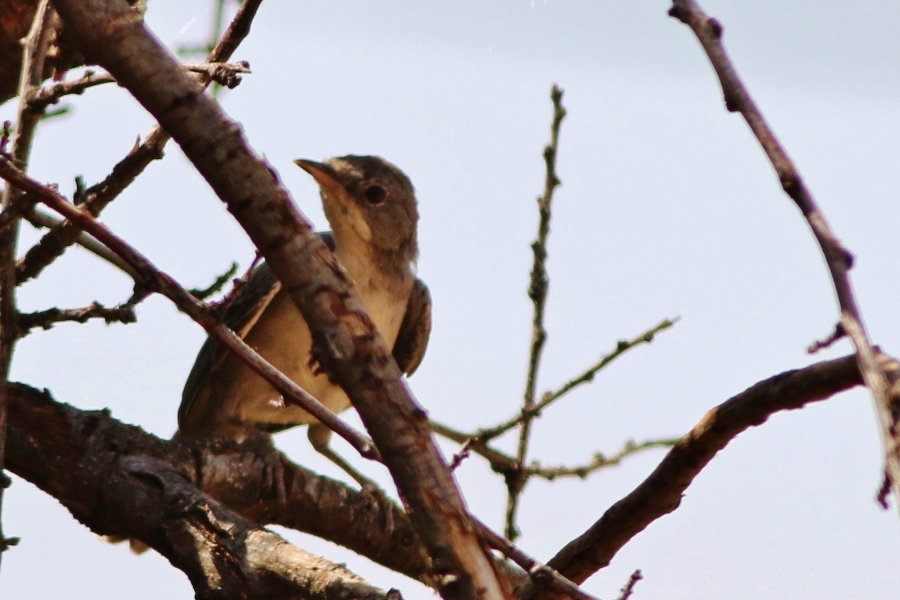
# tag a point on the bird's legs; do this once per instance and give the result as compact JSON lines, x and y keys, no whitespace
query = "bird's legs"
{"x":319,"y":436}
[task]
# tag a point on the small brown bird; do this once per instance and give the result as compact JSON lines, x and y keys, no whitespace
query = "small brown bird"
{"x":371,"y":206}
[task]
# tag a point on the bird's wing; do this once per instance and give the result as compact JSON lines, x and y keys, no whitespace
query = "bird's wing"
{"x":240,"y":316}
{"x":413,"y":337}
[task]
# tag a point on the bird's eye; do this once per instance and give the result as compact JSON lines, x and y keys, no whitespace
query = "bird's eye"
{"x":375,"y":194}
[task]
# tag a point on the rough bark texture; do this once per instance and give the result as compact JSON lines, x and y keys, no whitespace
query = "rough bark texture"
{"x":120,"y":481}
{"x":346,"y":344}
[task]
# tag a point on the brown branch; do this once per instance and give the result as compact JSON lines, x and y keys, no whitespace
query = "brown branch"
{"x":216,"y":286}
{"x":345,"y":342}
{"x":549,"y":398}
{"x":537,"y":291}
{"x":46,"y":319}
{"x":599,"y":461}
{"x":152,"y":279}
{"x":227,"y":74}
{"x":737,"y":99}
{"x":98,"y":196}
{"x":35,"y":49}
{"x":662,"y":491}
{"x":120,"y":481}
{"x":628,"y":590}
{"x":42,"y":220}
{"x":503,"y":463}
{"x":539,"y":574}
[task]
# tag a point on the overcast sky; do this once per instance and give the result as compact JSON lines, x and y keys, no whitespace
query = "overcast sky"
{"x":668,"y":208}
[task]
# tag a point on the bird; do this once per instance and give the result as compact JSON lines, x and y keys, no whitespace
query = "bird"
{"x":372,"y":209}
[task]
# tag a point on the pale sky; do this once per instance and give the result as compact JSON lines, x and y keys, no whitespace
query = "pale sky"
{"x":668,"y":208}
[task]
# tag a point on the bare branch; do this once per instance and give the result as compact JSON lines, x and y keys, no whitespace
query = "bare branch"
{"x":46,"y":319}
{"x":662,"y":491}
{"x":119,"y":480}
{"x":540,"y":574}
{"x":600,"y":461}
{"x":537,"y":291}
{"x":223,"y":73}
{"x":216,"y":286}
{"x":628,"y":590}
{"x":504,"y":464}
{"x":98,"y":196}
{"x":345,"y":342}
{"x":35,"y":49}
{"x":39,"y":219}
{"x":154,"y":280}
{"x":550,"y":397}
{"x":838,"y":258}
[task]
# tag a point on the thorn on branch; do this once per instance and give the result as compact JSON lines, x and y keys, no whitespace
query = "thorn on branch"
{"x":7,"y":543}
{"x":833,"y":337}
{"x":629,"y":587}
{"x":216,"y":286}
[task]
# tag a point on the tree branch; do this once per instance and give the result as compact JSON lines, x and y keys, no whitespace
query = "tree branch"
{"x":35,"y":51}
{"x":227,"y":74}
{"x":119,"y":480}
{"x":661,"y":492}
{"x":537,"y":291}
{"x":886,"y":392}
{"x":345,"y":342}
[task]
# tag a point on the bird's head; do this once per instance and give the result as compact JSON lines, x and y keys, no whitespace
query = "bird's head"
{"x":370,"y":201}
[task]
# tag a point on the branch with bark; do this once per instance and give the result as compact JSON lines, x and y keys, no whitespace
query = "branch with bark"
{"x":885,"y":389}
{"x":120,"y":481}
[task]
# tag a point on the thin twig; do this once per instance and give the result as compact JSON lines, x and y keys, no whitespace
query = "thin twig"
{"x":40,"y":219}
{"x":837,"y":334}
{"x":600,"y":461}
{"x":97,"y":197}
{"x":537,"y":291}
{"x":227,"y":74}
{"x":34,"y":52}
{"x":548,"y":398}
{"x":505,"y":464}
{"x":628,"y":590}
{"x":45,"y":319}
{"x":154,"y":280}
{"x":216,"y":286}
{"x":838,"y":258}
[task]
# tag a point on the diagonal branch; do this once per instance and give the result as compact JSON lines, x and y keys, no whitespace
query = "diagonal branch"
{"x":662,"y":491}
{"x":345,"y":341}
{"x":838,"y":258}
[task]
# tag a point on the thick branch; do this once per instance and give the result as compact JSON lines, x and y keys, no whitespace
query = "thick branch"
{"x":885,"y":391}
{"x":661,"y":492}
{"x":118,"y":480}
{"x":345,"y":342}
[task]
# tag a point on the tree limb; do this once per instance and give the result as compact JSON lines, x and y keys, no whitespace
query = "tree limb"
{"x":885,"y":390}
{"x":661,"y":492}
{"x":118,"y":480}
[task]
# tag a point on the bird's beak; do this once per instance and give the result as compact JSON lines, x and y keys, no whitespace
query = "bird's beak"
{"x":324,"y":174}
